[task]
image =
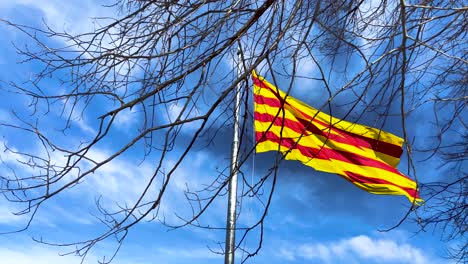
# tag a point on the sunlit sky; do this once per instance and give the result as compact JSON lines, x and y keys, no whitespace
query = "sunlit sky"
{"x":314,"y":217}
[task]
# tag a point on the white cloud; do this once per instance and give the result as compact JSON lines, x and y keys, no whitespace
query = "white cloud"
{"x":5,"y":116}
{"x":72,"y":16}
{"x":126,"y":119}
{"x":120,"y":180}
{"x":48,"y":217}
{"x":85,"y":127}
{"x":307,"y":68}
{"x":74,"y":114}
{"x":11,"y":160}
{"x":7,"y":216}
{"x":286,"y":254}
{"x":386,"y":250}
{"x":123,"y":180}
{"x":359,"y":249}
{"x":188,"y":253}
{"x":175,"y":109}
{"x":315,"y":251}
{"x":29,"y":252}
{"x":26,"y":251}
{"x":174,"y":112}
{"x":371,"y":28}
{"x":35,"y":255}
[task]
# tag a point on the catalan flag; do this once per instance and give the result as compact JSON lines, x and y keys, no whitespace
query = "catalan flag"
{"x":363,"y":155}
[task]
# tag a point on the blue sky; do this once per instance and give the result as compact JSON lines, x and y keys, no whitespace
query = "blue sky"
{"x":314,"y":217}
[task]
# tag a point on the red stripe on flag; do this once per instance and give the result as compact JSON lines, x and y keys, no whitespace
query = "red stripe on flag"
{"x":354,"y":177}
{"x":297,"y":127}
{"x":345,"y":136}
{"x":326,"y":153}
{"x":259,"y":83}
{"x":301,"y":127}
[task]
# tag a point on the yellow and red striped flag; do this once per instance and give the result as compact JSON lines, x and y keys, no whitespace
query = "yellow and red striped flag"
{"x":365,"y":156}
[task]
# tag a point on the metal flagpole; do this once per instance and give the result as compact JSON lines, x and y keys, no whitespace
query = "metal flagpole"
{"x":232,"y":202}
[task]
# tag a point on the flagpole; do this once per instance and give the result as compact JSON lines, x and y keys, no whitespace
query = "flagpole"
{"x":232,"y":202}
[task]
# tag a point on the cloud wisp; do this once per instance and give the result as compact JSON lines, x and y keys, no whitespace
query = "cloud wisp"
{"x":358,"y":249}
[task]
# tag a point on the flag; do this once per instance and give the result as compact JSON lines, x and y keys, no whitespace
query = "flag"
{"x":365,"y":156}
